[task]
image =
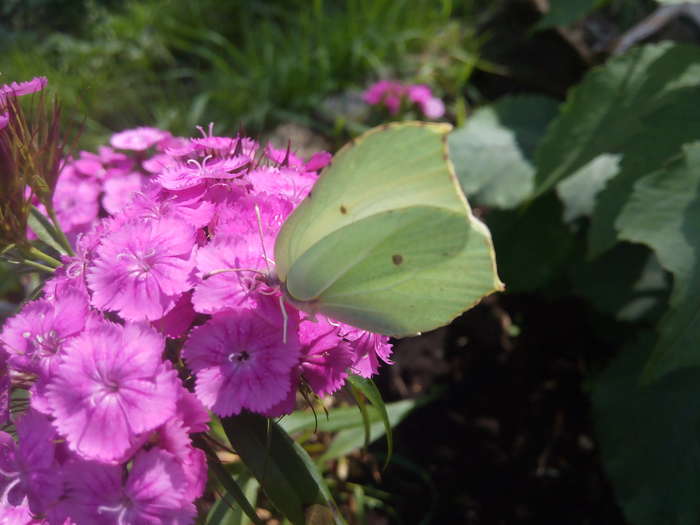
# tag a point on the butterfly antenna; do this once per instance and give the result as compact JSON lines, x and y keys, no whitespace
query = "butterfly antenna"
{"x":262,"y":239}
{"x":226,"y":270}
{"x":285,"y":319}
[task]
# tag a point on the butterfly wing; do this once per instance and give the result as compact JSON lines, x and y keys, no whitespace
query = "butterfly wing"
{"x":391,"y":167}
{"x":396,"y":251}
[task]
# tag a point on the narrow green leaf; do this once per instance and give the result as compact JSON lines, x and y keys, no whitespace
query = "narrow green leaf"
{"x":371,"y":392}
{"x":45,"y":230}
{"x":362,"y":407}
{"x":230,"y":485}
{"x":284,"y":470}
{"x":346,"y":417}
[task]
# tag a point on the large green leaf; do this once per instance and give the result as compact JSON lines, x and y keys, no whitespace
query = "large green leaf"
{"x":532,"y":242}
{"x":636,"y":104}
{"x":579,"y":191}
{"x":492,"y":153}
{"x":284,"y":470}
{"x":565,"y":12}
{"x":650,"y":439}
{"x":663,"y":212}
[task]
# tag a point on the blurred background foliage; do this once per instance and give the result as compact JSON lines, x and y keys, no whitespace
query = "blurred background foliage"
{"x":175,"y":63}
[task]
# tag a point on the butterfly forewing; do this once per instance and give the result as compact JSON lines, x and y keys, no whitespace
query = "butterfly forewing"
{"x":399,"y":166}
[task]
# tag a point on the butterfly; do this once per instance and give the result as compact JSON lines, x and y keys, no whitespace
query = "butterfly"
{"x":386,"y":241}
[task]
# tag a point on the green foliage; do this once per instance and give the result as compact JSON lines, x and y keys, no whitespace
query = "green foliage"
{"x":663,"y":212}
{"x":284,"y":470}
{"x":564,"y":12}
{"x":613,"y":217}
{"x":492,"y":152}
{"x":650,"y":437}
{"x":174,"y":63}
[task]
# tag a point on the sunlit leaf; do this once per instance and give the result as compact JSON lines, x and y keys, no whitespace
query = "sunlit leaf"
{"x":284,"y":470}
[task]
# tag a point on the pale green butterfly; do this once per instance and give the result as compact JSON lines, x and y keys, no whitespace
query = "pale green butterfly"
{"x":386,"y":241}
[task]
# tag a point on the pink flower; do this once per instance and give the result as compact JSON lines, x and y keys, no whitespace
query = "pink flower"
{"x":369,"y":349}
{"x":119,"y":190}
{"x":75,"y":200}
{"x":242,"y":279}
{"x":325,"y":356}
{"x":152,"y":492}
{"x":18,"y":89}
{"x":318,"y":161}
{"x":192,"y":206}
{"x":433,"y":108}
{"x":138,"y":139}
{"x":28,"y":469}
{"x":178,"y":320}
{"x":36,"y":337}
{"x":194,"y":172}
{"x":242,"y":361}
{"x":111,"y":387}
{"x":142,"y":269}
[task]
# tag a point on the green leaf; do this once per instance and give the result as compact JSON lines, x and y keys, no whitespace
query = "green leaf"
{"x":224,"y":513}
{"x":533,"y":243}
{"x":578,"y":192}
{"x":45,"y":230}
{"x":565,"y":12}
{"x":636,"y":104}
{"x":663,"y":212}
{"x":353,"y":438}
{"x":362,"y":407}
{"x":626,"y":282}
{"x":284,"y":470}
{"x":492,"y":153}
{"x":370,"y":391}
{"x":233,"y":489}
{"x":342,"y":418}
{"x":650,"y":439}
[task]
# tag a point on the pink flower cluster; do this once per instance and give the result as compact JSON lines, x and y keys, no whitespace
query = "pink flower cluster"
{"x":168,"y":309}
{"x":394,"y":95}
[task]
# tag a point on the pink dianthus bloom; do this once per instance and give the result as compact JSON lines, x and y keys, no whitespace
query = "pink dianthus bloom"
{"x":18,"y":89}
{"x":28,"y":469}
{"x":369,"y":349}
{"x":142,"y":268}
{"x":194,"y":172}
{"x":241,"y":360}
{"x":111,"y":387}
{"x":325,"y":356}
{"x":138,"y":139}
{"x":233,"y":272}
{"x":152,"y":492}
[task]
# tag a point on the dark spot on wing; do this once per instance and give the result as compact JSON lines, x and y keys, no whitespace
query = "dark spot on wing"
{"x":397,"y":259}
{"x":343,"y":209}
